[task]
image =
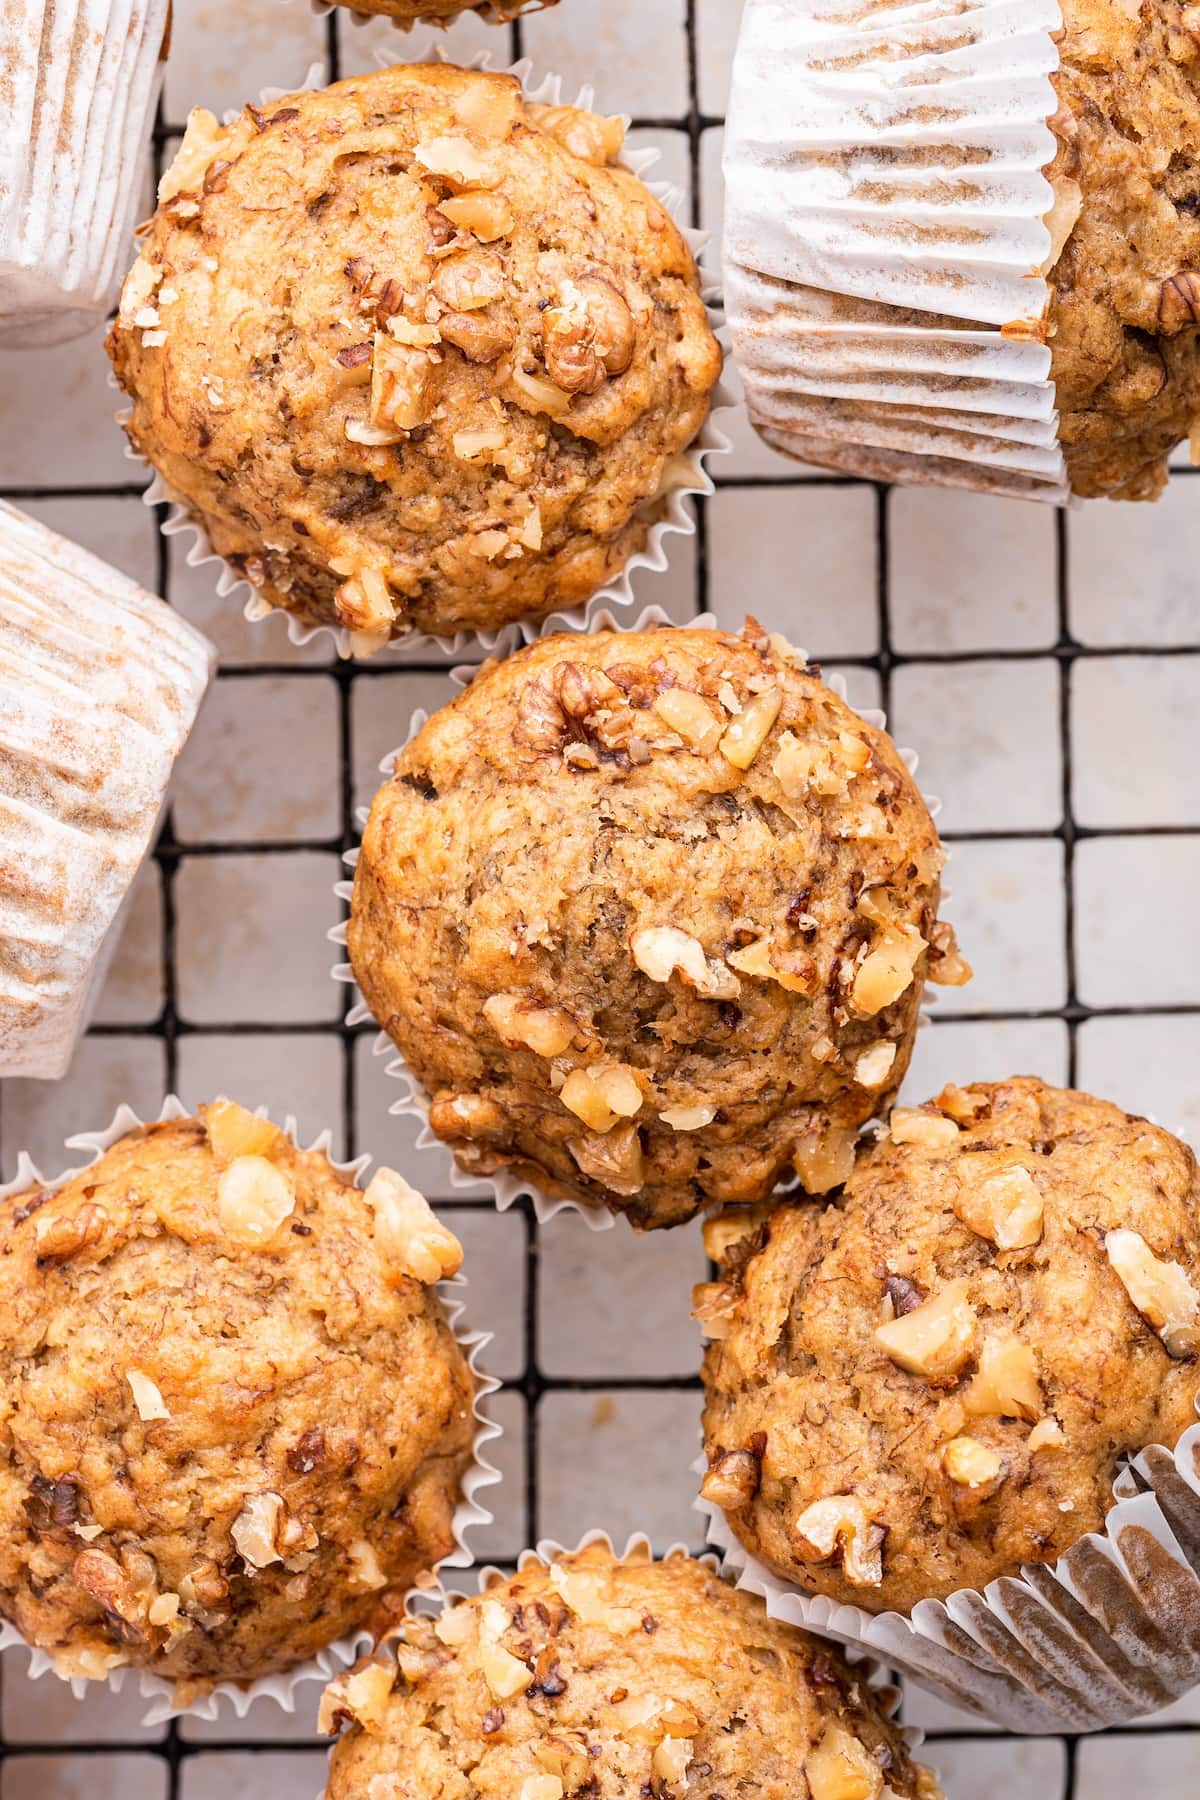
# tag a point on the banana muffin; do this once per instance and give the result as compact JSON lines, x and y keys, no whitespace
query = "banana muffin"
{"x":440,"y":12}
{"x":649,"y":915}
{"x":612,"y":1676}
{"x":931,"y":1381}
{"x":415,"y":352}
{"x":233,"y":1416}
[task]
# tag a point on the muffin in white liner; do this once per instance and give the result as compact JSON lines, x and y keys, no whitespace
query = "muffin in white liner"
{"x":915,"y":1463}
{"x":508,"y":1184}
{"x":612,"y":1670}
{"x":80,"y":82}
{"x":100,"y":684}
{"x":685,"y":474}
{"x":166,"y":1697}
{"x":958,"y":241}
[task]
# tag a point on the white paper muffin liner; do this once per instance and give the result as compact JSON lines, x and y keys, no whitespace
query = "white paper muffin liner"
{"x":470,"y":1512}
{"x":514,"y":9}
{"x":685,"y":475}
{"x":1108,"y":1633}
{"x":885,"y":235}
{"x":80,"y":80}
{"x":413,"y":1101}
{"x":100,"y":684}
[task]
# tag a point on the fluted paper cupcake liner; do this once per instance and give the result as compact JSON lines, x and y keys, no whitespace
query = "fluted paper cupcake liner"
{"x":1108,"y":1633}
{"x":414,"y":1101}
{"x":500,"y":12}
{"x":81,"y":80}
{"x":886,"y":235}
{"x":685,"y":475}
{"x":470,"y":1512}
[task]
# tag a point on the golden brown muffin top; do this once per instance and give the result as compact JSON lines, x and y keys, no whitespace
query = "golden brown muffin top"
{"x":1126,"y":348}
{"x":440,"y":12}
{"x":931,"y":1382}
{"x":649,"y":914}
{"x":610,"y":1677}
{"x":233,"y":1416}
{"x":416,"y":351}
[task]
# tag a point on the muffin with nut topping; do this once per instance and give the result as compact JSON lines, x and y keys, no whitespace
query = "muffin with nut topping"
{"x":441,"y":12}
{"x":613,"y":1676}
{"x":931,"y":1382}
{"x":235,"y":1417}
{"x":418,"y":354}
{"x":649,"y":915}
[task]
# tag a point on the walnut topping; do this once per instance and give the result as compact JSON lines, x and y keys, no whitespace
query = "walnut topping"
{"x":839,"y":1767}
{"x":146,"y":1397}
{"x":691,"y":716}
{"x":458,"y":162}
{"x":946,"y":966}
{"x":602,"y":1094}
{"x":232,"y":1131}
{"x":961,"y":1104}
{"x":535,"y":393}
{"x":587,"y":335}
{"x":1047,"y":1434}
{"x":726,"y":1231}
{"x":470,"y":279}
{"x":455,"y":1627}
{"x":841,"y":1523}
{"x":670,"y":1761}
{"x":792,"y":969}
{"x":408,"y":1234}
{"x":505,"y":1674}
{"x":821,"y":768}
{"x":1006,"y":1384}
{"x":732,"y":1480}
{"x":363,"y":1693}
{"x":936,"y":1338}
{"x":1062,"y":218}
{"x":913,"y":1125}
{"x":364,"y":603}
{"x":1160,"y":1290}
{"x":713,"y":1305}
{"x":486,"y":216}
{"x":824,"y":1158}
{"x":542,"y":1787}
{"x":688,"y":1118}
{"x":971,"y":1464}
{"x":198,"y":150}
{"x":1005,"y":1207}
{"x":887,"y":970}
{"x":615,"y":1159}
{"x":401,"y":386}
{"x":255,"y":1529}
{"x":365,"y":1570}
{"x":62,"y":1236}
{"x":745,"y":736}
{"x":1179,"y":302}
{"x":517,"y":1022}
{"x":481,"y":336}
{"x":874,"y":1065}
{"x":591,"y":1595}
{"x":254,"y":1197}
{"x":587,"y":135}
{"x":465,"y":1115}
{"x":469,"y":446}
{"x":660,"y":950}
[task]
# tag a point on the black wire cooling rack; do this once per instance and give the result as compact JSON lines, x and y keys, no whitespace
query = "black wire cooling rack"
{"x":984,"y":1762}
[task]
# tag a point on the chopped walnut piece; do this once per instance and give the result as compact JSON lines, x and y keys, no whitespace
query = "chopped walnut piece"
{"x":824,"y":1158}
{"x":713,"y":1304}
{"x":486,"y":216}
{"x":688,"y":1118}
{"x":469,"y":279}
{"x":803,"y":768}
{"x":541,"y":1787}
{"x":540,"y":394}
{"x":913,"y":1125}
{"x":254,"y":1197}
{"x":517,"y":1022}
{"x":873,"y":1066}
{"x":660,"y":950}
{"x":1160,"y":1290}
{"x":670,"y":1761}
{"x":59,"y":1238}
{"x":587,"y":335}
{"x":726,"y":1230}
{"x":936,"y":1338}
{"x":362,"y":1692}
{"x":1047,"y":1434}
{"x":1006,"y":1207}
{"x":946,"y":967}
{"x":255,"y":1529}
{"x":959,"y":1103}
{"x":691,"y":716}
{"x":505,"y":1674}
{"x":408,"y":1234}
{"x":971,"y":1464}
{"x":232,"y":1131}
{"x":887,"y":970}
{"x":1062,"y":218}
{"x":481,"y":336}
{"x":1006,"y":1384}
{"x":202,"y":139}
{"x":469,"y":446}
{"x":840,"y":1767}
{"x":416,"y":337}
{"x":745,"y":736}
{"x":602,"y":1094}
{"x":732,"y":1480}
{"x":587,"y":135}
{"x":615,"y":1159}
{"x":841,"y":1523}
{"x":465,"y":1115}
{"x":146,"y":1397}
{"x":455,"y":1627}
{"x":401,"y":385}
{"x":792,"y":969}
{"x":364,"y":602}
{"x":458,"y":162}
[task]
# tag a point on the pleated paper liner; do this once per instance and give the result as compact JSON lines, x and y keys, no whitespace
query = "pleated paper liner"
{"x":886,"y":237}
{"x":498,"y":12}
{"x":161,"y":1694}
{"x":413,"y":1101}
{"x":668,"y":509}
{"x":80,"y":80}
{"x":1107,"y":1634}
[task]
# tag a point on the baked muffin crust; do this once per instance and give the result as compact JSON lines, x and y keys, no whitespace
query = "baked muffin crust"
{"x":930,"y":1382}
{"x":1126,"y":349}
{"x":233,"y":1421}
{"x":416,"y":353}
{"x":437,"y":12}
{"x":613,"y":1677}
{"x":649,"y":915}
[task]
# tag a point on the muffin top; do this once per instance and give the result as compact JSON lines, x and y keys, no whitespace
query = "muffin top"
{"x":417,"y":352}
{"x":649,"y":914}
{"x":930,"y":1382}
{"x":233,"y":1417}
{"x":437,"y":12}
{"x":1126,"y":353}
{"x":612,"y":1677}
